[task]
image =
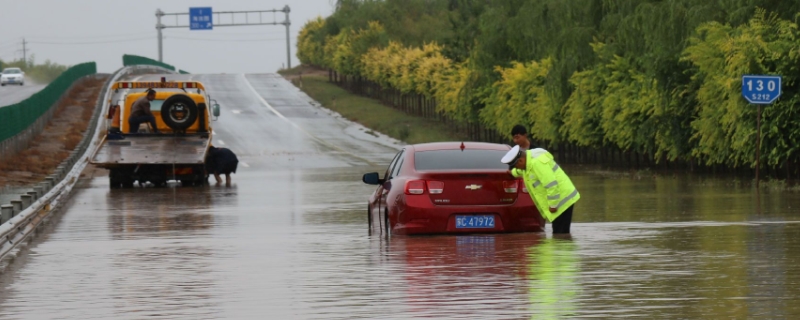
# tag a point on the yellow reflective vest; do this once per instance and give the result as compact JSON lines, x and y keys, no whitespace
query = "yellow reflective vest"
{"x":547,"y":183}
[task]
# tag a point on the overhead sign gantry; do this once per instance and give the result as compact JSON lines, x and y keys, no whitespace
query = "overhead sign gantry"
{"x":204,"y":18}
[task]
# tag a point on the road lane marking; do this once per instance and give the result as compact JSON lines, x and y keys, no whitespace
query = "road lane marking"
{"x":236,"y":111}
{"x":313,"y":137}
{"x":222,"y":143}
{"x":244,"y":164}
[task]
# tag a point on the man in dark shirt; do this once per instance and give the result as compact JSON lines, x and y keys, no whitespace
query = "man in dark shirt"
{"x":140,"y":112}
{"x":520,"y":136}
{"x":221,"y":161}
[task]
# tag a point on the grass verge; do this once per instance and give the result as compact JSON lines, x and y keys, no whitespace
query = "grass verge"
{"x":369,"y":112}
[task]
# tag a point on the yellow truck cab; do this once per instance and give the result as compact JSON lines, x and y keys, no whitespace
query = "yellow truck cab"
{"x":182,"y":110}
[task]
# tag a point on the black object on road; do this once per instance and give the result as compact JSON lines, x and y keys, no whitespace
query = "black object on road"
{"x":221,"y":161}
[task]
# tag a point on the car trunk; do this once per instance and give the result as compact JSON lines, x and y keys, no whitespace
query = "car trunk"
{"x":474,"y":188}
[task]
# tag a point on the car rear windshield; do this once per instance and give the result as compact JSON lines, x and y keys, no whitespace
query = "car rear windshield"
{"x":459,"y":160}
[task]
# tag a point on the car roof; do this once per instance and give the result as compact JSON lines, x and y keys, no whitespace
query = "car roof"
{"x":454,"y":145}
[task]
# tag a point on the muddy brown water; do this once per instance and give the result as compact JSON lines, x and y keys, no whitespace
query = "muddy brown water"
{"x":294,"y":245}
{"x":288,"y":240}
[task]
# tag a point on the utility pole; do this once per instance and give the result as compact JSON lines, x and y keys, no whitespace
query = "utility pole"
{"x":159,"y":27}
{"x":24,"y":53}
{"x":287,"y":23}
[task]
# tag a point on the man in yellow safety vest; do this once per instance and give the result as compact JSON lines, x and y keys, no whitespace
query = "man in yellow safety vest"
{"x":550,"y":188}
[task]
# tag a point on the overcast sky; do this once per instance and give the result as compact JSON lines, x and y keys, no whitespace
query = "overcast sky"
{"x":75,"y":31}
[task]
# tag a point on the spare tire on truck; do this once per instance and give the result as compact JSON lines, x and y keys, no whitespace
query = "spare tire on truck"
{"x":179,"y":112}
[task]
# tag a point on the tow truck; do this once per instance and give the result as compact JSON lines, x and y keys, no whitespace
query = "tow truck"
{"x":177,"y":152}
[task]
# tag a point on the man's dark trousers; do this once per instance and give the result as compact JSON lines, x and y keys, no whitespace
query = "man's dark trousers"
{"x":562,"y":223}
{"x":134,"y":122}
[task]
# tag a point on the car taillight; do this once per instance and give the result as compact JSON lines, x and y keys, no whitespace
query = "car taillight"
{"x":435,"y":187}
{"x":524,"y":188}
{"x":415,"y":187}
{"x":510,"y":186}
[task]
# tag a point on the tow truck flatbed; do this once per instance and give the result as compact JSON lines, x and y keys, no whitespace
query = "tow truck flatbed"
{"x":152,"y":149}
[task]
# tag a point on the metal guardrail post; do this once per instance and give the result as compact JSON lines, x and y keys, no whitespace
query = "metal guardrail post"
{"x":17,"y":205}
{"x":60,"y":171}
{"x":39,"y":191}
{"x":26,"y":201}
{"x":6,"y":213}
{"x":34,"y":196}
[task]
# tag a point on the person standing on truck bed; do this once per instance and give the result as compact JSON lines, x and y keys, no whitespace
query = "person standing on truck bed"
{"x":140,"y":112}
{"x":221,"y":161}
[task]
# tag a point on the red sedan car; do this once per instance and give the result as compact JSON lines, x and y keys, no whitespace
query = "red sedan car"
{"x":450,"y":187}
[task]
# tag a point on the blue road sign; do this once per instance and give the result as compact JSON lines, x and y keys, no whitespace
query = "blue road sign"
{"x":200,"y":19}
{"x":761,"y":89}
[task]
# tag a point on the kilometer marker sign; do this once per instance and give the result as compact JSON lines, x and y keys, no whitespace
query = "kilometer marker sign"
{"x":758,"y":90}
{"x":761,"y":89}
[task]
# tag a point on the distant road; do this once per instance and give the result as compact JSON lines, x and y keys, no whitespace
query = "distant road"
{"x":11,"y":94}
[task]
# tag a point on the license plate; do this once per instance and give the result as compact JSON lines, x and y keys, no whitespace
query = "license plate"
{"x":478,"y":221}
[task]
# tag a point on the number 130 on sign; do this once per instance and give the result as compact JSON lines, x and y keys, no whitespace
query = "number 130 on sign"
{"x":760,"y":85}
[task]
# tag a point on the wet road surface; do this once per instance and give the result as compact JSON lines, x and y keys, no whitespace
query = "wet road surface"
{"x":13,"y":93}
{"x":289,"y":241}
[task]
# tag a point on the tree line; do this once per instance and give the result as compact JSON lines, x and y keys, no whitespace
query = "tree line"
{"x":658,"y":78}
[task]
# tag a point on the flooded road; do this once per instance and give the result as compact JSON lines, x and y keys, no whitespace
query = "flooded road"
{"x":289,"y":241}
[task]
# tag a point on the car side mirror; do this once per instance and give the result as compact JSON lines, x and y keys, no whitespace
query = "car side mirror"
{"x":215,"y":110}
{"x":372,"y":178}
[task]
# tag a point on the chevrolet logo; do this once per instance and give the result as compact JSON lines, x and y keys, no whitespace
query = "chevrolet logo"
{"x":473,"y":187}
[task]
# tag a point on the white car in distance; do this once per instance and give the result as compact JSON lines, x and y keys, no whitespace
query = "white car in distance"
{"x":12,"y":76}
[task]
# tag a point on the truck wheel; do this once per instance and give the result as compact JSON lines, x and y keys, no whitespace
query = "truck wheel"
{"x":116,"y":178}
{"x":179,"y":112}
{"x":113,"y":181}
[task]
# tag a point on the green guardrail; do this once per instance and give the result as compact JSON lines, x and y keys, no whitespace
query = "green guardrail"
{"x":134,"y":60}
{"x":17,"y":117}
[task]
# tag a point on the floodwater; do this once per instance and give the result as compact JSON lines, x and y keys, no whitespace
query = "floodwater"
{"x":288,"y":240}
